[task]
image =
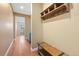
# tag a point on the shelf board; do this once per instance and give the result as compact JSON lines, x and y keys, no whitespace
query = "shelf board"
{"x":43,"y":52}
{"x":47,"y":8}
{"x":54,"y":12}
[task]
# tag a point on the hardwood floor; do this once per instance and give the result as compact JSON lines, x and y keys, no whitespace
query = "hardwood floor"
{"x":35,"y":53}
{"x":20,"y":47}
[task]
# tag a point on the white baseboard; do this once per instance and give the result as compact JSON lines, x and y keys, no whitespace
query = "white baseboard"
{"x":9,"y":48}
{"x":34,"y":49}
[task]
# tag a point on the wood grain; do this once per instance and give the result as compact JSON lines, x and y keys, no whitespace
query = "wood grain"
{"x":52,"y":50}
{"x":20,"y":47}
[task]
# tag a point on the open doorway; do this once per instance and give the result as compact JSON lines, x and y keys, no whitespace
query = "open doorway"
{"x":19,"y":26}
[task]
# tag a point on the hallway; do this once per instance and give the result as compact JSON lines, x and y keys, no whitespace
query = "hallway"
{"x":20,"y":47}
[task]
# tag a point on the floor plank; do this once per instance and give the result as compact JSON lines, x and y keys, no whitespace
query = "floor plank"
{"x":20,"y":47}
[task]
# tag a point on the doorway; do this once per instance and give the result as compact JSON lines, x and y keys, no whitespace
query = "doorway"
{"x":19,"y":26}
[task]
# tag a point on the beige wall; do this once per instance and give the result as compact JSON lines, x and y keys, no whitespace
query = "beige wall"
{"x":63,"y":31}
{"x":6,"y":27}
{"x":36,"y":24}
{"x":27,"y":26}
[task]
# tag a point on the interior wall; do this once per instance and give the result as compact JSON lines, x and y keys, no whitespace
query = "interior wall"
{"x":27,"y":26}
{"x":63,"y":31}
{"x":36,"y":24}
{"x":6,"y":27}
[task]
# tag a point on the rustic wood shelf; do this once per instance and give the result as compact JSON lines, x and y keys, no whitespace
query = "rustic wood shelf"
{"x":54,"y":10}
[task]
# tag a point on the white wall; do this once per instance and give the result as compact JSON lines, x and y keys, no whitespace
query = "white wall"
{"x":36,"y":24}
{"x":6,"y":27}
{"x":63,"y":31}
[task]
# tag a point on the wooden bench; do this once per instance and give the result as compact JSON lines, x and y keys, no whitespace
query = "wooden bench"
{"x":47,"y":50}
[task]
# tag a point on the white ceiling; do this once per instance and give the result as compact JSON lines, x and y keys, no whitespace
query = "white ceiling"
{"x":24,"y":8}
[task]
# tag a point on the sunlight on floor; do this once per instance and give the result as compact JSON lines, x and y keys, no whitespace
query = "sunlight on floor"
{"x":22,"y":39}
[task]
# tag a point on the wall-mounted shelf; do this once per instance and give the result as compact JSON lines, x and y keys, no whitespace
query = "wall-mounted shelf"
{"x":54,"y":10}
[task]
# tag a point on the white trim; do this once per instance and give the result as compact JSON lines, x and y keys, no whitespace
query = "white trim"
{"x":34,"y":49}
{"x":9,"y":48}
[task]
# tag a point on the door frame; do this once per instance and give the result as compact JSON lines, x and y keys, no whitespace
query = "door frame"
{"x":18,"y":14}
